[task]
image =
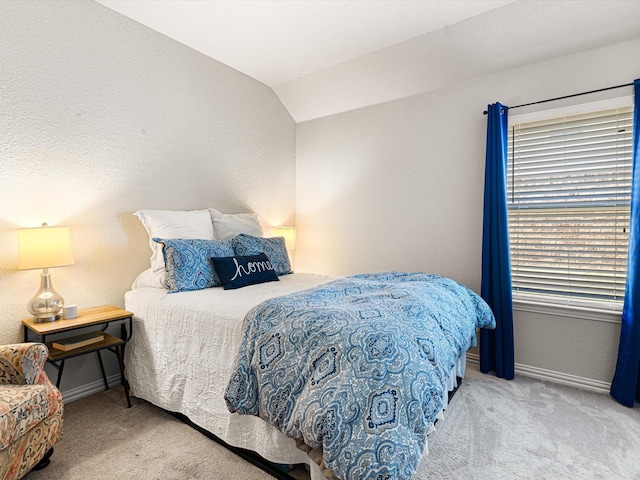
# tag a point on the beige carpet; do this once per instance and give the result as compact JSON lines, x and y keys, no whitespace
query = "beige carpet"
{"x":494,"y":430}
{"x":105,"y":440}
{"x":529,"y":429}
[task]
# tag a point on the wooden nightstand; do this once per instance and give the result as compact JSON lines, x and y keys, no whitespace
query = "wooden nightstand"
{"x":99,"y":317}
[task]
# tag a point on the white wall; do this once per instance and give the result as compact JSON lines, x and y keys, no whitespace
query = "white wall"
{"x":400,"y":186}
{"x":100,"y":117}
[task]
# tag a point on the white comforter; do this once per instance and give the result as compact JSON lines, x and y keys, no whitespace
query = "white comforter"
{"x":181,"y":353}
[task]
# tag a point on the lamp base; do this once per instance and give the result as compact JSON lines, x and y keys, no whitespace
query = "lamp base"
{"x":47,"y":318}
{"x":46,"y":305}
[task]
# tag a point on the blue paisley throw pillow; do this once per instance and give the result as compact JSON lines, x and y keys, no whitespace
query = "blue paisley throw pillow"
{"x":188,"y":262}
{"x":240,"y":271}
{"x":274,"y":248}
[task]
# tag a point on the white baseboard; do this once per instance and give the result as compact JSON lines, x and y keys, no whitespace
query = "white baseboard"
{"x":553,"y":376}
{"x":69,"y":396}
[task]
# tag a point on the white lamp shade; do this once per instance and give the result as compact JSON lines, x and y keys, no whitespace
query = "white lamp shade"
{"x":44,"y":247}
{"x":289,"y":234}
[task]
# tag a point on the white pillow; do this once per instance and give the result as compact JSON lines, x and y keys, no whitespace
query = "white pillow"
{"x":228,"y":225}
{"x":148,"y":279}
{"x":170,"y":224}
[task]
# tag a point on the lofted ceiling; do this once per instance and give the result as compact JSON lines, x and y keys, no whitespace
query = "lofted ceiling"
{"x":323,"y":57}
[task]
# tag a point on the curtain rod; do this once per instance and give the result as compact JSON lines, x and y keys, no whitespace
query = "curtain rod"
{"x":569,"y":96}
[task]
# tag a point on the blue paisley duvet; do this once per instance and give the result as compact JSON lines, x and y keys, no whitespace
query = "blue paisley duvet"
{"x":357,"y":368}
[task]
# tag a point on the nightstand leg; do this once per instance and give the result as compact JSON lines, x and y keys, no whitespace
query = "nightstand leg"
{"x":104,"y":375}
{"x":123,"y":380}
{"x":60,"y":368}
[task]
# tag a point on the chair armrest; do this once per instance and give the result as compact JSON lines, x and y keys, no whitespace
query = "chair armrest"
{"x":23,"y":364}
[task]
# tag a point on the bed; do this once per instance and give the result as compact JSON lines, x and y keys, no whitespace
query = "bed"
{"x":202,"y":353}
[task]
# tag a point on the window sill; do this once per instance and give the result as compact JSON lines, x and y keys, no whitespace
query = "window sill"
{"x":593,"y":313}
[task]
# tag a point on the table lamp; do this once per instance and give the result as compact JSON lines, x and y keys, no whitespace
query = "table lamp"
{"x":289,"y":234}
{"x":45,"y":247}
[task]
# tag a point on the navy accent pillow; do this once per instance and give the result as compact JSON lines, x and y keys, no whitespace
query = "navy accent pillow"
{"x":240,"y":271}
{"x":274,"y":248}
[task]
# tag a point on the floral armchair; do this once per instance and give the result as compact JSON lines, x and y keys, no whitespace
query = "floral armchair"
{"x":30,"y":410}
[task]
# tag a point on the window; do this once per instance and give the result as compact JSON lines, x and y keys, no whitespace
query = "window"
{"x":569,"y":189}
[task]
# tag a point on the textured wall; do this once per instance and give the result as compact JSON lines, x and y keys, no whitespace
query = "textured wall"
{"x":400,"y":186}
{"x":101,"y":116}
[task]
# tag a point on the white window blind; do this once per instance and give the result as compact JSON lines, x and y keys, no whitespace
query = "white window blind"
{"x":568,"y":189}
